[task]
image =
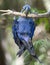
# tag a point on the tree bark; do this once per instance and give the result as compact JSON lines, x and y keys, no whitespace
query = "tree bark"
{"x":2,"y":36}
{"x":2,"y":55}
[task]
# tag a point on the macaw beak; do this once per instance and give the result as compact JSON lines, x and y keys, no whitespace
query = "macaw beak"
{"x":26,"y":11}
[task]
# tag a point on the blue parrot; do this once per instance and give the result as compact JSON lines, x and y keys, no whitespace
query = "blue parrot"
{"x":23,"y":30}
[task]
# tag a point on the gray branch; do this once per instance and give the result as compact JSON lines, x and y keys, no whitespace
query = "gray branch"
{"x":10,"y":12}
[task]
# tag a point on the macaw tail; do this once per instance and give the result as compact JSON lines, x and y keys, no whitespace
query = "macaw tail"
{"x":21,"y":51}
{"x":27,"y":45}
{"x":36,"y":57}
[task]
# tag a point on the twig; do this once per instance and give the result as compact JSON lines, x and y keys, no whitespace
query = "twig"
{"x":10,"y":12}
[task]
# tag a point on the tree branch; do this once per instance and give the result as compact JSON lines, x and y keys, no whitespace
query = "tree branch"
{"x":10,"y":12}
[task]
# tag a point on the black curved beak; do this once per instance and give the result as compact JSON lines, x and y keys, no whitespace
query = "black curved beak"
{"x":26,"y":11}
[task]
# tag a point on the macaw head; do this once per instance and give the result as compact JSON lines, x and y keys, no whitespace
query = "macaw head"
{"x":26,"y":9}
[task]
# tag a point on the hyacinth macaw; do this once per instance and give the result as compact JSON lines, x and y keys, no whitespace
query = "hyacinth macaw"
{"x":23,"y":30}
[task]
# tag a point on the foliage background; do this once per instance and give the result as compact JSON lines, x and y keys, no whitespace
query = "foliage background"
{"x":41,"y":42}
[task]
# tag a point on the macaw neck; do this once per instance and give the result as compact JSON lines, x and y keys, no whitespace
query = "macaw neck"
{"x":24,"y":18}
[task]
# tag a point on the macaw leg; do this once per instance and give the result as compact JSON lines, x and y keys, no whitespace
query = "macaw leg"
{"x":30,"y":48}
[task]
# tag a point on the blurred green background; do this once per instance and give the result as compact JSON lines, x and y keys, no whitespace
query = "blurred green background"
{"x":41,"y":39}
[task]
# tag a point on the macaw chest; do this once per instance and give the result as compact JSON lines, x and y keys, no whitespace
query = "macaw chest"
{"x":25,"y":25}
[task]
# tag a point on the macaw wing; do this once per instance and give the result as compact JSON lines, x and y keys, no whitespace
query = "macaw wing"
{"x":15,"y":28}
{"x":14,"y":31}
